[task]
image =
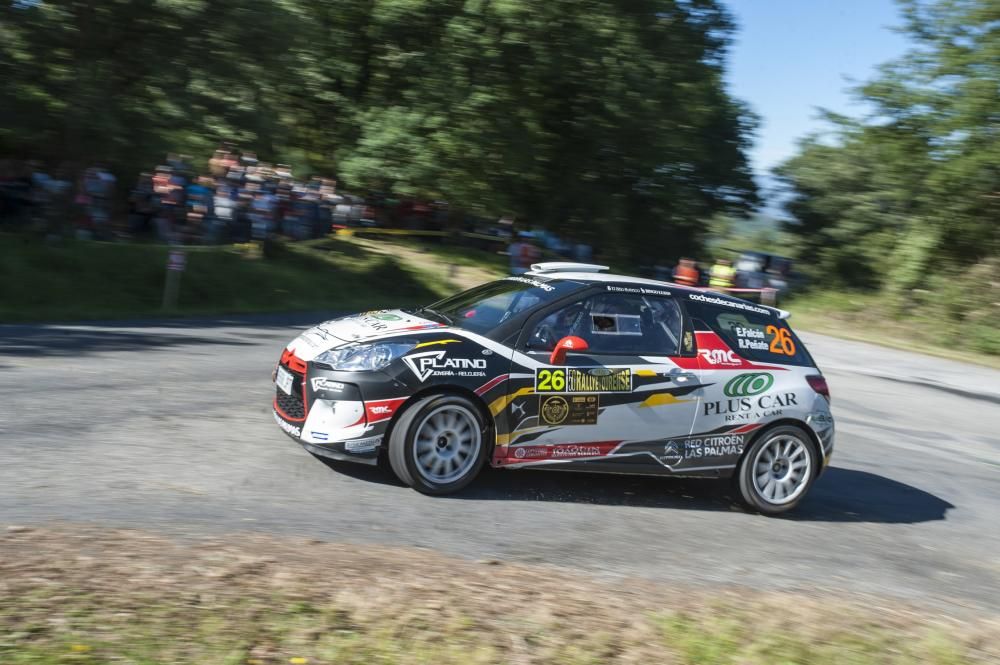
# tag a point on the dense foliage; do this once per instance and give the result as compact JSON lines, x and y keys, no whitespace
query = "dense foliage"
{"x":908,"y":197}
{"x":594,"y":117}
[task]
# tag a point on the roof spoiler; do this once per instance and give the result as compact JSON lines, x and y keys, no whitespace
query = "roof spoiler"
{"x":783,"y":314}
{"x":567,"y":266}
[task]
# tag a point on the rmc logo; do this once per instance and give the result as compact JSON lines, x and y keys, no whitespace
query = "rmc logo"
{"x":719,"y":357}
{"x":748,"y":385}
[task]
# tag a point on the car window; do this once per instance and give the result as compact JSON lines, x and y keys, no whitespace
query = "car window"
{"x":484,"y":307}
{"x":753,"y":332}
{"x":614,"y":323}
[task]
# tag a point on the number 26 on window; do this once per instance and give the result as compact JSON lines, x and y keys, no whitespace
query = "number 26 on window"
{"x":781,"y":342}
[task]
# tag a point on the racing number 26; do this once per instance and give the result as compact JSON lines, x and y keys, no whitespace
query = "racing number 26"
{"x":782,"y":342}
{"x":551,"y":380}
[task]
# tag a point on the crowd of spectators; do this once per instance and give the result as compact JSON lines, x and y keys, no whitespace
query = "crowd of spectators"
{"x":237,"y":199}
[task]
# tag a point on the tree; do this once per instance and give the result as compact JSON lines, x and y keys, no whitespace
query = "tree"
{"x":600,"y":118}
{"x":913,"y":188}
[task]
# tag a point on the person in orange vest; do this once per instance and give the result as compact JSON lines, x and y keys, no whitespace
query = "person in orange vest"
{"x":686,"y":273}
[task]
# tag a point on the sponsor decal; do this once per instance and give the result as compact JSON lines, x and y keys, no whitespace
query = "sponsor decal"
{"x":720,"y":357}
{"x":533,"y":282}
{"x":673,"y":453}
{"x":571,"y":410}
{"x":321,"y":383}
{"x":554,"y":410}
{"x":736,"y":304}
{"x":576,"y":450}
{"x":517,"y":409}
{"x":639,"y":290}
{"x":748,"y":385}
{"x":564,"y":450}
{"x":583,"y":380}
{"x":676,"y":451}
{"x":320,"y":436}
{"x":435,"y":363}
{"x":722,"y":445}
{"x":365,"y":445}
{"x":822,"y":418}
{"x":291,"y":429}
{"x":384,"y":315}
{"x":746,"y":409}
{"x":688,"y":341}
{"x":379,"y":410}
{"x":371,"y":322}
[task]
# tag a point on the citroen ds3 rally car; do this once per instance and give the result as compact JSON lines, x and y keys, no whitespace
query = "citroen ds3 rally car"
{"x":565,"y":367}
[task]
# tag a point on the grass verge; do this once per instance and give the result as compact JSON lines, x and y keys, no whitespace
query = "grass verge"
{"x":89,"y":596}
{"x":869,"y":318}
{"x":88,"y":280}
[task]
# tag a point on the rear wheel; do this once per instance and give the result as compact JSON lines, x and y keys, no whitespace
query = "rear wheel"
{"x":439,"y":445}
{"x":778,"y":470}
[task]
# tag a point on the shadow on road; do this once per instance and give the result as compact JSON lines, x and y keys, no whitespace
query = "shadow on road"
{"x":847,"y":495}
{"x":841,"y":495}
{"x":61,"y":339}
{"x":57,"y":341}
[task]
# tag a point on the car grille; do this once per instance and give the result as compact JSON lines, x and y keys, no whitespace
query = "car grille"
{"x":291,"y":406}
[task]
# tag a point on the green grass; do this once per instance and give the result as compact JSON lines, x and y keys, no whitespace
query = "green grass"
{"x":87,"y":280}
{"x":58,"y":625}
{"x":87,"y":596}
{"x":871,"y":318}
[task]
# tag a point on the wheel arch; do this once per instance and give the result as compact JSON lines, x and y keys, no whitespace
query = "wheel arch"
{"x":445,"y":389}
{"x":801,"y":424}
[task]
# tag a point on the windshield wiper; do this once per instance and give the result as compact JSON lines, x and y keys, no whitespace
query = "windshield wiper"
{"x":447,"y":319}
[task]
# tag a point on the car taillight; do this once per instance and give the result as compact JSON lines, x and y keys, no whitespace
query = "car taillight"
{"x":818,"y":383}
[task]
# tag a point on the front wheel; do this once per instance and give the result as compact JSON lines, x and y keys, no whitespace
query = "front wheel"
{"x":778,"y":470}
{"x":439,"y":445}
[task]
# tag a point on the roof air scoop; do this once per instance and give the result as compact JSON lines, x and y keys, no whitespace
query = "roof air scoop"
{"x":566,"y":266}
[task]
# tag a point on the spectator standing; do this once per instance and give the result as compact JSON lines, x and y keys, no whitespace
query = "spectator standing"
{"x":686,"y":273}
{"x":523,"y":253}
{"x":721,"y":275}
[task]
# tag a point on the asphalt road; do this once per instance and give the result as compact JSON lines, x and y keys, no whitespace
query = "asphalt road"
{"x":168,"y":427}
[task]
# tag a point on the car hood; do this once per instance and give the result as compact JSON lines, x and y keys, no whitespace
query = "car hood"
{"x":356,"y":328}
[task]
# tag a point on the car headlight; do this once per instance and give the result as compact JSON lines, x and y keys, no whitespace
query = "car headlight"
{"x":364,"y":357}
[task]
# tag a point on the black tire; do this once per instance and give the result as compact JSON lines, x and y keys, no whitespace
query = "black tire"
{"x":448,"y":444}
{"x":782,"y":480}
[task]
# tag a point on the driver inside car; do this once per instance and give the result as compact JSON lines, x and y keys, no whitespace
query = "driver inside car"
{"x":564,"y":323}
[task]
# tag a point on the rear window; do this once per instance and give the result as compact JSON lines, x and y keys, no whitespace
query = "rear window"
{"x":753,"y":332}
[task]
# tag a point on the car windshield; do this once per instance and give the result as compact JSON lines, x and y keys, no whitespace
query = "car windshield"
{"x":485,"y":307}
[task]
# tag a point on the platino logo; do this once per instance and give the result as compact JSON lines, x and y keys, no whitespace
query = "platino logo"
{"x":428,"y":363}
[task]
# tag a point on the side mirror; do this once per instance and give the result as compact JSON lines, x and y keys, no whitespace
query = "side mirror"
{"x":564,"y":346}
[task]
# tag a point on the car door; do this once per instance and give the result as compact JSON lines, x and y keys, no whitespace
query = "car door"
{"x":622,"y":396}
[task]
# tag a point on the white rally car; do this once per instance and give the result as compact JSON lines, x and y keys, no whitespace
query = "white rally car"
{"x":566,"y":367}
